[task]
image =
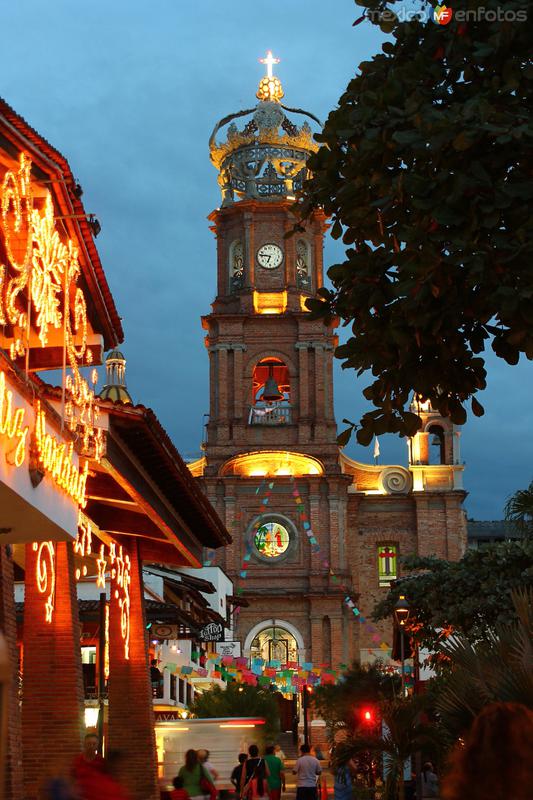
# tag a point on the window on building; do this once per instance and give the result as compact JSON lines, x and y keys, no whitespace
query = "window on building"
{"x":271,"y":539}
{"x":303,"y":265}
{"x":88,"y":655}
{"x":236,"y":266}
{"x":387,"y":563}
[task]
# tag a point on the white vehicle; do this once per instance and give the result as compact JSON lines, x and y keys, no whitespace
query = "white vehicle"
{"x":225,"y":738}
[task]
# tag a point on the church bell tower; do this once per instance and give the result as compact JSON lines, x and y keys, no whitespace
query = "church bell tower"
{"x":271,"y":366}
{"x":271,"y":435}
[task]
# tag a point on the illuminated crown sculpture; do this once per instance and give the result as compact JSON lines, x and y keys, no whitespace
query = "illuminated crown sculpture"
{"x":265,"y":160}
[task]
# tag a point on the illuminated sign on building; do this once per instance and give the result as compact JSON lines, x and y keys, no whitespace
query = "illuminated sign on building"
{"x":39,"y":292}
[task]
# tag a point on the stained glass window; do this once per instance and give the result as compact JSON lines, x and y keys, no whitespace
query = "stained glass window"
{"x":387,"y":563}
{"x":271,"y":539}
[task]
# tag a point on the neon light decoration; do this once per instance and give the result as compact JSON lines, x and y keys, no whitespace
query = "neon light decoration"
{"x":106,"y":646}
{"x":45,"y":573}
{"x":102,"y":564}
{"x":45,"y":268}
{"x":84,"y":538}
{"x":11,"y":424}
{"x":271,"y":539}
{"x":56,"y":458}
{"x":121,"y":575}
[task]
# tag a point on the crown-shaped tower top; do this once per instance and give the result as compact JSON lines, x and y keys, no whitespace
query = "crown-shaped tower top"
{"x":266,"y":160}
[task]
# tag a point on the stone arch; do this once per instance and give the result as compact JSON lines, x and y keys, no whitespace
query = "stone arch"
{"x":437,"y":443}
{"x":258,"y":356}
{"x":267,"y":623}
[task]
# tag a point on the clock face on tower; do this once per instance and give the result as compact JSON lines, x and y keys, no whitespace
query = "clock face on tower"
{"x":269,"y":256}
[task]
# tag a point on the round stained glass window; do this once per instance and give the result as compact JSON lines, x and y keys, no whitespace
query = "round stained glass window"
{"x":271,"y":539}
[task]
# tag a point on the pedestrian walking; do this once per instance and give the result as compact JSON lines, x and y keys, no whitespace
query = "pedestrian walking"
{"x":276,"y":776}
{"x":84,"y":765}
{"x":307,"y":770}
{"x":343,"y":781}
{"x":279,"y":752}
{"x":236,"y":774}
{"x":203,"y":758}
{"x":254,"y":775}
{"x":195,"y":780}
{"x":105,"y":784}
{"x":430,"y":782}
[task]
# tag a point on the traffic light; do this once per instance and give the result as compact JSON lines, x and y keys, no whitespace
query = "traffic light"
{"x":367,"y":717}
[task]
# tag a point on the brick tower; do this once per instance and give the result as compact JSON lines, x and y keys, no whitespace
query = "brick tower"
{"x":307,"y":522}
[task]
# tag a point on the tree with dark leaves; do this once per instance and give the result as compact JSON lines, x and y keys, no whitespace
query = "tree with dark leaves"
{"x":426,"y":170}
{"x":468,"y":597}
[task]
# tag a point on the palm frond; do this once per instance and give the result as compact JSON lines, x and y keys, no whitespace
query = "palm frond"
{"x":499,"y":667}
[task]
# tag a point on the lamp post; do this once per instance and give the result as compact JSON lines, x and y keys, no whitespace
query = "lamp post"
{"x":402,"y":610}
{"x":307,"y":690}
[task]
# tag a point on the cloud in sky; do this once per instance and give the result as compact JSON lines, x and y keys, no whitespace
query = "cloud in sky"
{"x":130,"y":91}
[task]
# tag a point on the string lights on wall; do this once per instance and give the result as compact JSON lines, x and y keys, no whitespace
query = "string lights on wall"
{"x":45,"y":575}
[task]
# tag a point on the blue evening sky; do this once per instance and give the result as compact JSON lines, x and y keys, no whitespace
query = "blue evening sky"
{"x":129,"y":91}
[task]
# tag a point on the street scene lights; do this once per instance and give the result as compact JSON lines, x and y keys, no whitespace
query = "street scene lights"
{"x":402,"y":610}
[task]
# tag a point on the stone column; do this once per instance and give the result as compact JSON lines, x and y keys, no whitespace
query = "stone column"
{"x":249,"y":251}
{"x":317,"y":654}
{"x":238,"y":384}
{"x":337,"y":642}
{"x":302,"y":411}
{"x":52,"y":701}
{"x":12,"y":747}
{"x":233,"y":555}
{"x":223,"y":386}
{"x":131,"y":715}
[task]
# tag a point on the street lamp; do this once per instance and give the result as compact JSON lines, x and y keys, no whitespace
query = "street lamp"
{"x":401,"y":613}
{"x":307,"y":691}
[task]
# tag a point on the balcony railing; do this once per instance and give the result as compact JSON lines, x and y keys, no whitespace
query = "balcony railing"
{"x":276,"y":414}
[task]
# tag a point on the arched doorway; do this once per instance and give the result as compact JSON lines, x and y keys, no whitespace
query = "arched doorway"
{"x":275,"y":643}
{"x":278,"y":641}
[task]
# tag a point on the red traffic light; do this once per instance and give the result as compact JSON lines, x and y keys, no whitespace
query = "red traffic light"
{"x":368,"y":716}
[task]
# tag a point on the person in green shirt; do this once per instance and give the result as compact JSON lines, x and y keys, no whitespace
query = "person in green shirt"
{"x":192,"y":774}
{"x":276,"y":778}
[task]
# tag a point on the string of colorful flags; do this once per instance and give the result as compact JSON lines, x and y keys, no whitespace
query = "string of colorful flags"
{"x":289,"y":678}
{"x":315,"y":550}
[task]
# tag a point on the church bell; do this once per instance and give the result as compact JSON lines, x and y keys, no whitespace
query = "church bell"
{"x":271,"y":392}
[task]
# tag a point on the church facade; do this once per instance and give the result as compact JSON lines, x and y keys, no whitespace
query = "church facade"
{"x":316,"y":536}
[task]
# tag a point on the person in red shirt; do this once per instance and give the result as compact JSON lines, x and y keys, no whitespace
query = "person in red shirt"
{"x":88,"y":760}
{"x":178,"y":793}
{"x":104,"y":784}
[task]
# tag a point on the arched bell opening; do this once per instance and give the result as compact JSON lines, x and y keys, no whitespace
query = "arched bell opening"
{"x":436,"y":449}
{"x":271,"y":393}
